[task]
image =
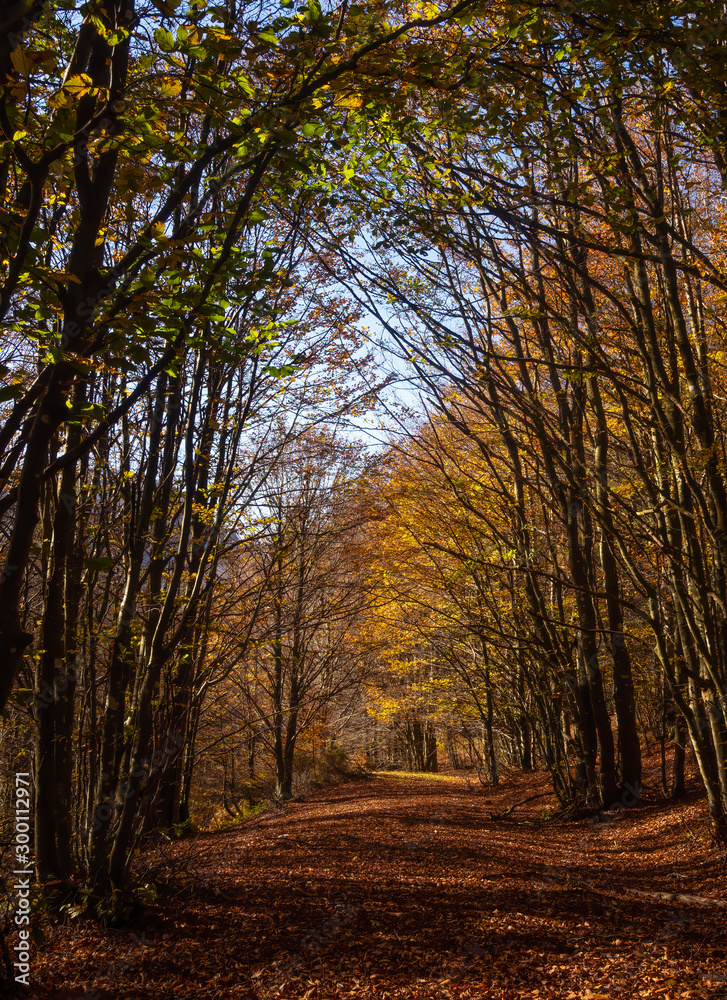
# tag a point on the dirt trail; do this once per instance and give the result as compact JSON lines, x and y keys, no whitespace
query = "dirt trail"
{"x":405,"y":887}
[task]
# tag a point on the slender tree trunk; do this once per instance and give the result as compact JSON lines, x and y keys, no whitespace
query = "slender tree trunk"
{"x":679,"y":744}
{"x":430,"y":748}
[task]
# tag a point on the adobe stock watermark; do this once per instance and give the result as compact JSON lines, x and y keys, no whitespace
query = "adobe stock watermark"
{"x":315,"y":942}
{"x":50,"y":692}
{"x":113,"y":970}
{"x":139,"y":778}
{"x":630,"y":796}
{"x":24,"y":876}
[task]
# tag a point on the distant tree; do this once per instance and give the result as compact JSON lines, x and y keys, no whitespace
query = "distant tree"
{"x":315,"y":602}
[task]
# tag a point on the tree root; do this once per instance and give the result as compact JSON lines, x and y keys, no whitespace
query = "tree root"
{"x":532,"y":798}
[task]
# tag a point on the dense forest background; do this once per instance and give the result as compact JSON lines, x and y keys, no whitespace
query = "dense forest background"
{"x":243,"y":240}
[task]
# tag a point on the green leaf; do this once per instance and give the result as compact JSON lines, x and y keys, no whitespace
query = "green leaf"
{"x":149,"y":892}
{"x":165,"y":39}
{"x":11,"y":392}
{"x":102,"y":563}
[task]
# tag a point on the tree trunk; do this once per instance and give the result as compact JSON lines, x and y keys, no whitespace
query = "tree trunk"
{"x":430,"y":748}
{"x":679,"y":744}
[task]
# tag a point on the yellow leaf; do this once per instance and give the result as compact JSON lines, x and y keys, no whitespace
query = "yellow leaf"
{"x":170,"y":88}
{"x":65,"y":276}
{"x":352,"y":101}
{"x":78,"y":85}
{"x":21,"y":61}
{"x":59,"y":100}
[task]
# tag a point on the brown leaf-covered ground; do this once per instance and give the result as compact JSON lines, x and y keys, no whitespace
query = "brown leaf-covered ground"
{"x":404,"y":887}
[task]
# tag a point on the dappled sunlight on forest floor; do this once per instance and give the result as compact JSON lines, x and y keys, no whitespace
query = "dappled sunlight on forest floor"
{"x":404,"y":886}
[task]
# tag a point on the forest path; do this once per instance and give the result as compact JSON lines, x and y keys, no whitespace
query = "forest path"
{"x":404,"y":887}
